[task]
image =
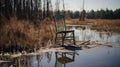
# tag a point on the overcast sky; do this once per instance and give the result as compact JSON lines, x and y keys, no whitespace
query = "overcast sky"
{"x":90,"y":4}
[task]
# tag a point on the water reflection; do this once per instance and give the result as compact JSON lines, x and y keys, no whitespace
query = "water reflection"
{"x":26,"y":61}
{"x":62,"y":59}
{"x":93,"y":35}
{"x":100,"y":57}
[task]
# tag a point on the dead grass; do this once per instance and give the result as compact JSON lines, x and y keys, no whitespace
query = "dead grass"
{"x":106,"y":25}
{"x":47,"y":32}
{"x":23,"y":34}
{"x":14,"y":33}
{"x":98,"y":24}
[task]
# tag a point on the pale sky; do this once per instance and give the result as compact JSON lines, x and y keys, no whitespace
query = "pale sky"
{"x":90,"y":4}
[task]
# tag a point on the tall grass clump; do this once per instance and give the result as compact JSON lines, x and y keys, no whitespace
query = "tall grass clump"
{"x":47,"y":32}
{"x":24,"y":35}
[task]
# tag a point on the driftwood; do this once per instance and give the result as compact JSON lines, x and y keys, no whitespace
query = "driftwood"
{"x":85,"y":43}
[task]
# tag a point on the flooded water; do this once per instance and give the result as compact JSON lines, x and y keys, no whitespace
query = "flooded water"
{"x":93,"y":35}
{"x":100,"y":56}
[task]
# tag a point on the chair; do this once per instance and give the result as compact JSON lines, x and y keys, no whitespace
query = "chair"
{"x":61,"y":31}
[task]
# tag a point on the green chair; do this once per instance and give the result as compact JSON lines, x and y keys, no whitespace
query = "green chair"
{"x":61,"y":31}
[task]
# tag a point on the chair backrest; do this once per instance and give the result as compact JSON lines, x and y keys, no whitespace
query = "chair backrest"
{"x":60,"y":23}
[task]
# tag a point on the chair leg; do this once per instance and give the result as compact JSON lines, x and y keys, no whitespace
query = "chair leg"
{"x":74,"y":38}
{"x":63,"y":39}
{"x":56,"y":39}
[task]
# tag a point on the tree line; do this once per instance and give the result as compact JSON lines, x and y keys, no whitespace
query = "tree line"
{"x":99,"y":14}
{"x":26,"y":9}
{"x":40,"y":9}
{"x":103,"y":14}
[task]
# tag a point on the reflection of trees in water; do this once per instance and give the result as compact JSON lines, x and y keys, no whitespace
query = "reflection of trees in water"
{"x":22,"y":62}
{"x":118,"y":40}
{"x":30,"y":61}
{"x":4,"y":64}
{"x":39,"y":58}
{"x":48,"y":56}
{"x":105,"y":36}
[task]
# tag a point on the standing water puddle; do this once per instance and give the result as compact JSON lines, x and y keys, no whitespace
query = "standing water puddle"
{"x":94,"y":57}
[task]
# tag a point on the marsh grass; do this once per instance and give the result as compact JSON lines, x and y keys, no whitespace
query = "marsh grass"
{"x":108,"y":25}
{"x":19,"y":35}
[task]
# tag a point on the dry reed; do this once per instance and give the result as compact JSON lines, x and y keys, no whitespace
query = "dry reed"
{"x":23,"y":34}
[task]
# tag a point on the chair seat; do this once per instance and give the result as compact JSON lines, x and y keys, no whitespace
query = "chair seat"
{"x":64,"y":36}
{"x":69,"y":31}
{"x":67,"y":37}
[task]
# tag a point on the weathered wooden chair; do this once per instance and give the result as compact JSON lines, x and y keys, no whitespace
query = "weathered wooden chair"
{"x":61,"y":31}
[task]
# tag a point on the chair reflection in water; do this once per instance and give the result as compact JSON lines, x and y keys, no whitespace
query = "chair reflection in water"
{"x":64,"y":58}
{"x":62,"y":34}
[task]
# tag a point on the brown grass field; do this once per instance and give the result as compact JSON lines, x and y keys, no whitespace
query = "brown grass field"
{"x":23,"y":34}
{"x":98,"y":24}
